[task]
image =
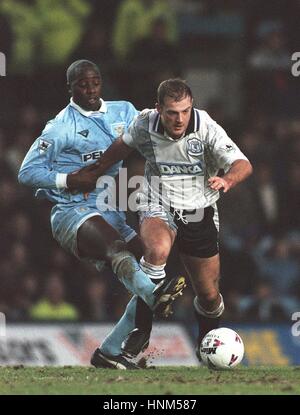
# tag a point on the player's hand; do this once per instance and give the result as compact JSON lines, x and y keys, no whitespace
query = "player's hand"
{"x":83,"y":180}
{"x":219,"y":183}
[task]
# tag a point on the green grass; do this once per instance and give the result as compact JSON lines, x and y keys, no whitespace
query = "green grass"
{"x":157,"y":381}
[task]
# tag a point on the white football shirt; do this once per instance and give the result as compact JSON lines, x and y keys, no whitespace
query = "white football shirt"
{"x":177,"y":171}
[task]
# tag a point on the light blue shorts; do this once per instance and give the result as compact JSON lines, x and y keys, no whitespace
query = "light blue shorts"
{"x":66,"y":220}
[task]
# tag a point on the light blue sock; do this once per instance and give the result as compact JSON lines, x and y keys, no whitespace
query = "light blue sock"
{"x":113,"y":341}
{"x":125,"y":266}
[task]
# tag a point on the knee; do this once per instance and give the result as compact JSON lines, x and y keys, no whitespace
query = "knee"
{"x":114,"y":249}
{"x":157,"y":251}
{"x":208,"y":290}
{"x":210,"y":299}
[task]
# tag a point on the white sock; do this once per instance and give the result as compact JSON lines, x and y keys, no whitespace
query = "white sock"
{"x":211,"y":314}
{"x":155,"y":272}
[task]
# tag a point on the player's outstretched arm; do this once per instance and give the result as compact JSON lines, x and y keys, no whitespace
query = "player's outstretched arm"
{"x":85,"y":179}
{"x":238,"y":172}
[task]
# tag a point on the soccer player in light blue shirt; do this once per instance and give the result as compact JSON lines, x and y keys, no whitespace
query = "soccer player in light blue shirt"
{"x":76,"y":138}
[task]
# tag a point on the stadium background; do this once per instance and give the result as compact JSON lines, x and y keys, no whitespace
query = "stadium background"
{"x":236,"y":55}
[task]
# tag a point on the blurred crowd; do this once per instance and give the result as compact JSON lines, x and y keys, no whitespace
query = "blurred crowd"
{"x":138,"y":43}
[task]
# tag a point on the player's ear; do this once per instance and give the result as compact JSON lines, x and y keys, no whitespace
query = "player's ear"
{"x":158,"y":107}
{"x":69,"y":89}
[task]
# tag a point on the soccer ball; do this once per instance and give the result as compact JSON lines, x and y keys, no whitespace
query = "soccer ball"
{"x":222,"y":348}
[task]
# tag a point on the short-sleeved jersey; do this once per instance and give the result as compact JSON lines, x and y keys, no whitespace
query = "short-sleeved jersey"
{"x":183,"y":166}
{"x":74,"y":139}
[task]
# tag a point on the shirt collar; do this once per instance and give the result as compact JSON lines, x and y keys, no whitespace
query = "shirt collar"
{"x":103,"y":108}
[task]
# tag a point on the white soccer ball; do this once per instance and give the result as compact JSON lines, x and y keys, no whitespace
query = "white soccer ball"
{"x":222,"y":348}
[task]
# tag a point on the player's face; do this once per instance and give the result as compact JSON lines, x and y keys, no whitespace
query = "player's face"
{"x":86,"y":90}
{"x":175,"y":116}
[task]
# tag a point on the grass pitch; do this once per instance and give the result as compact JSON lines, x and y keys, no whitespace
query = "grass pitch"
{"x":152,"y":381}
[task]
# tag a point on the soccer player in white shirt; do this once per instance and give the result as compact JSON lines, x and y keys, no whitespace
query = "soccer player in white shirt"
{"x":184,"y":151}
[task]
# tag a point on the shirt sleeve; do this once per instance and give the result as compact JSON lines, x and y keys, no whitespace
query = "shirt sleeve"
{"x":38,"y":167}
{"x":130,"y":138}
{"x":223,"y":150}
{"x":131,"y":114}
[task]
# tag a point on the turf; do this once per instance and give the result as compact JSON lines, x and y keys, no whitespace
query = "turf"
{"x":152,"y":381}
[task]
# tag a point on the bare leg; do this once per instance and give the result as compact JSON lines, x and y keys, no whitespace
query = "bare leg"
{"x":204,"y":274}
{"x":95,"y":239}
{"x":158,"y":239}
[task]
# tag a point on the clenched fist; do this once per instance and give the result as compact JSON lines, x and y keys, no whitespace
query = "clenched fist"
{"x":83,"y":180}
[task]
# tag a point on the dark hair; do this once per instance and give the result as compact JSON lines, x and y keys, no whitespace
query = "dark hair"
{"x":173,"y":88}
{"x":77,"y":67}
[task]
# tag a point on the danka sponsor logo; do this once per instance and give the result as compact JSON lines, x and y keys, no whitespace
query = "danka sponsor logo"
{"x":169,"y":169}
{"x":94,"y":155}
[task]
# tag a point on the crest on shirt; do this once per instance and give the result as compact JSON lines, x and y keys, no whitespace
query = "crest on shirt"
{"x":44,"y":145}
{"x":194,"y":147}
{"x":118,"y":129}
